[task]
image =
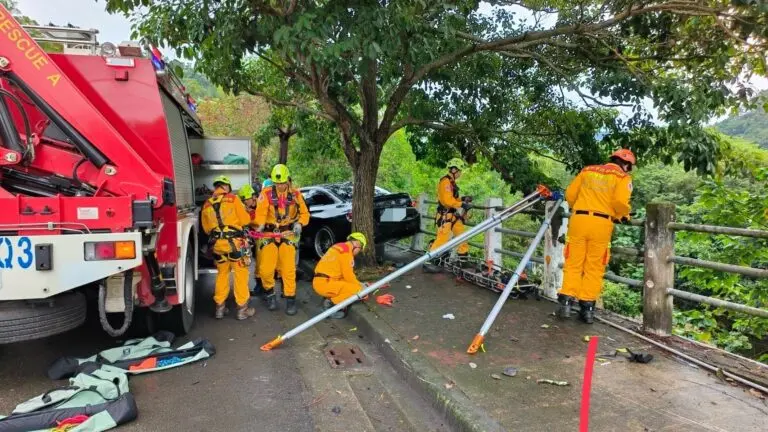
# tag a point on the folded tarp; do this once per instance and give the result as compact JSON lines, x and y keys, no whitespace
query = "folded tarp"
{"x":138,"y":356}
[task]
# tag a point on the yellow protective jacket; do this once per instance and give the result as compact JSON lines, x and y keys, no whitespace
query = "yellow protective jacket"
{"x":448,"y":193}
{"x":604,"y":189}
{"x":338,"y":264}
{"x":280,"y":210}
{"x":233,"y":214}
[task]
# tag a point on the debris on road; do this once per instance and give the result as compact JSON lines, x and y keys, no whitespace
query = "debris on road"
{"x":415,"y":337}
{"x":415,"y":350}
{"x":407,"y":287}
{"x":449,"y":385}
{"x":756,"y":393}
{"x":514,"y":339}
{"x":496,"y":376}
{"x":336,"y":410}
{"x":353,"y":329}
{"x":510,"y":371}
{"x":449,"y":316}
{"x":545,"y":326}
{"x":553,"y":382}
{"x":473,"y":365}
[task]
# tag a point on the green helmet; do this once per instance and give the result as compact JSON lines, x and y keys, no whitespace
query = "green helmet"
{"x":246,"y":192}
{"x":280,"y":174}
{"x":359,"y":237}
{"x":222,"y":179}
{"x":456,"y":163}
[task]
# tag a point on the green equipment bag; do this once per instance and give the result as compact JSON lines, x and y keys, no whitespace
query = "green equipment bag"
{"x":137,"y":356}
{"x":96,"y":399}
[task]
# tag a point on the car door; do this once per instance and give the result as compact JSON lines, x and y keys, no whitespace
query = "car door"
{"x":321,"y":204}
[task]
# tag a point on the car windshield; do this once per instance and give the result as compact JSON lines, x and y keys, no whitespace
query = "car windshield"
{"x":344,"y":191}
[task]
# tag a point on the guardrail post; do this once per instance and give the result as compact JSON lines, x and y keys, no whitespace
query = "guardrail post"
{"x":492,"y":237}
{"x":553,"y":250}
{"x":417,"y":242}
{"x":659,"y":271}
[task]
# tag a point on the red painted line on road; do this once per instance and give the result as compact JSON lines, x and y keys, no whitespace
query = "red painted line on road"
{"x":587,"y":386}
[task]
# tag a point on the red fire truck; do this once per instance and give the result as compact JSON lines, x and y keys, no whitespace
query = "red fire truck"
{"x":97,"y":187}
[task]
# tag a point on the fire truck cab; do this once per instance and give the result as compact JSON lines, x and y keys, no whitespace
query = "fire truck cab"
{"x":97,"y":186}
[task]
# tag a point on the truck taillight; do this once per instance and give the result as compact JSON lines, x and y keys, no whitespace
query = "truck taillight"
{"x":349,"y":217}
{"x":109,"y":250}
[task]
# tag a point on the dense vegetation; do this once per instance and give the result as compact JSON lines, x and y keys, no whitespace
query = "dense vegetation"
{"x":751,"y":126}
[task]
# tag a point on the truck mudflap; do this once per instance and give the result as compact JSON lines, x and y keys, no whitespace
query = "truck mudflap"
{"x":37,"y":267}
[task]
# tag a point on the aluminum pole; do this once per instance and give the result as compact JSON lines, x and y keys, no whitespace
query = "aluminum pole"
{"x":477,"y":342}
{"x":526,"y":202}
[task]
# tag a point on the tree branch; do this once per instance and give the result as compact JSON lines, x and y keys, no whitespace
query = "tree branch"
{"x":292,"y":104}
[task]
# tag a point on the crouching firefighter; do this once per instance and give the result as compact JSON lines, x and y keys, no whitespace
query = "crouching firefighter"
{"x":335,"y":278}
{"x":451,"y":209}
{"x":598,"y":197}
{"x":223,"y":218}
{"x":280,"y":209}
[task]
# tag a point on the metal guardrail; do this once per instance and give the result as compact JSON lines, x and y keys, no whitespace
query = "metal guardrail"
{"x":749,"y":310}
{"x":728,"y":268}
{"x":713,"y":229}
{"x":659,"y":223}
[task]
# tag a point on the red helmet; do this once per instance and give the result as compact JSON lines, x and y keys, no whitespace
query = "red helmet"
{"x":626,"y":155}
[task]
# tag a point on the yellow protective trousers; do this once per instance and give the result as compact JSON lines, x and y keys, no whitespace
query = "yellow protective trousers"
{"x":587,"y":251}
{"x":335,"y":290}
{"x":226,"y":265}
{"x":451,"y":226}
{"x":273,"y":255}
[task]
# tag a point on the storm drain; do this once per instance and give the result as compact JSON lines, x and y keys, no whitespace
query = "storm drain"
{"x":345,"y":356}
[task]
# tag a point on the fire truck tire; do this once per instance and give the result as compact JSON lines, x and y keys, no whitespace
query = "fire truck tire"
{"x":181,"y":318}
{"x":22,"y":320}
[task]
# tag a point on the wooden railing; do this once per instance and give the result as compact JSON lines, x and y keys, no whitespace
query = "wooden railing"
{"x":657,"y":254}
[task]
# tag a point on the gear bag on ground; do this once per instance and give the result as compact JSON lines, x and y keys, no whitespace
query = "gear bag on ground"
{"x":138,"y":356}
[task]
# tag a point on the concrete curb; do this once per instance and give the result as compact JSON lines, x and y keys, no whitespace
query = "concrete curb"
{"x":458,"y":409}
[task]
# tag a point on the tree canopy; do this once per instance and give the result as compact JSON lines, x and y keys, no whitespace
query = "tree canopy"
{"x":501,"y":79}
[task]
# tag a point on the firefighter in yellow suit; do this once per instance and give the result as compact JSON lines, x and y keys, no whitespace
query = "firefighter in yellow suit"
{"x":335,"y":273}
{"x":598,"y":197}
{"x":223,"y":218}
{"x":280,"y":209}
{"x":451,"y":209}
{"x":248,"y":196}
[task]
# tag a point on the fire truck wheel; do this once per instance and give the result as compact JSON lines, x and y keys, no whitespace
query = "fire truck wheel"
{"x":180,"y":319}
{"x":27,"y":320}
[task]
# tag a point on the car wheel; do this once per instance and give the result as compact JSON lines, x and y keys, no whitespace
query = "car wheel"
{"x":179,"y":320}
{"x":324,"y":239}
{"x":27,"y":320}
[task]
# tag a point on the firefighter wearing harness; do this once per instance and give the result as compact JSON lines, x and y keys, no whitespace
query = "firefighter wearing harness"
{"x":248,"y":195}
{"x":280,"y":209}
{"x":451,"y":209}
{"x":598,"y":197}
{"x":335,"y":278}
{"x":223,"y":218}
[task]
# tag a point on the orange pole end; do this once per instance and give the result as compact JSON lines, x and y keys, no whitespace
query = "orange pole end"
{"x":476,"y":343}
{"x":544,"y":191}
{"x":276,"y":342}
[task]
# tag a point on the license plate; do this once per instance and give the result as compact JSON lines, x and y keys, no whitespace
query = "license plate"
{"x":393,"y":215}
{"x":16,"y":253}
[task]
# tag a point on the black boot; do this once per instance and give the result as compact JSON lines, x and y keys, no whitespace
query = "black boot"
{"x":587,"y":311}
{"x":290,"y":306}
{"x":564,"y":306}
{"x":271,"y":301}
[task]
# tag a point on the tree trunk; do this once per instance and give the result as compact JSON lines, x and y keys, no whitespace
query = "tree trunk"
{"x":284,"y":138}
{"x":365,"y":171}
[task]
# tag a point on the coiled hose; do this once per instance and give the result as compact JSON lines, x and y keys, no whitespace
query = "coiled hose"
{"x":128,"y":312}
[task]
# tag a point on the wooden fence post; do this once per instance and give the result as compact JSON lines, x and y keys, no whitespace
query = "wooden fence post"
{"x":417,"y":242}
{"x":554,"y":259}
{"x":492,"y":237}
{"x":659,"y":271}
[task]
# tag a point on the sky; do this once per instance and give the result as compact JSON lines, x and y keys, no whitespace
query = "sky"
{"x":81,"y":13}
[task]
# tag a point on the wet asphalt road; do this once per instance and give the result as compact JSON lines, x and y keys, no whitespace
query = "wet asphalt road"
{"x":239,"y":389}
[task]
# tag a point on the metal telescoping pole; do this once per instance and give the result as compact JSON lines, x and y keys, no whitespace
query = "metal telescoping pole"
{"x":526,"y":202}
{"x":477,"y":342}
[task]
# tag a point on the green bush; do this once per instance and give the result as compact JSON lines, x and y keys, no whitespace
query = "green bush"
{"x":622,"y":299}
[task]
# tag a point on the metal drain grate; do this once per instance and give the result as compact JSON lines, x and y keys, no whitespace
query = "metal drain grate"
{"x":345,"y":356}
